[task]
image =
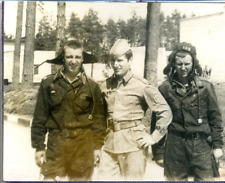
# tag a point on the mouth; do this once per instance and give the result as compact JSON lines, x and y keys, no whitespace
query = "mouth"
{"x":73,"y":65}
{"x":116,"y":70}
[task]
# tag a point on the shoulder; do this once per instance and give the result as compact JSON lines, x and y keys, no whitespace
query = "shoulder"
{"x":47,"y":79}
{"x":140,"y":79}
{"x":107,"y":83}
{"x":165,"y":84}
{"x":90,"y":81}
{"x":203,"y":82}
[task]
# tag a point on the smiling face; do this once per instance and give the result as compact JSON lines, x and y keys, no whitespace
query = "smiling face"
{"x":120,"y":66}
{"x":73,"y":59}
{"x":183,"y":65}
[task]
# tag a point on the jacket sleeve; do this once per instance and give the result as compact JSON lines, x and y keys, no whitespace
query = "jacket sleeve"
{"x":161,"y":109}
{"x":38,"y":127}
{"x":214,"y":118}
{"x":99,"y":120}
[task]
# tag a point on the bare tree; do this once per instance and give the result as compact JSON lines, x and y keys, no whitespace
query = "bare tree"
{"x":61,"y":23}
{"x":28,"y":63}
{"x":16,"y":65}
{"x":152,"y":42}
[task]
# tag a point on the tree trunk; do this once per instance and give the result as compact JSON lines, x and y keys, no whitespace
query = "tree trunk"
{"x":61,"y":23}
{"x":152,"y":42}
{"x":16,"y":65}
{"x":28,"y":63}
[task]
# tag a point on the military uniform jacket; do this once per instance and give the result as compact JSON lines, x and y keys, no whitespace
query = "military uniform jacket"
{"x":63,"y":105}
{"x":127,"y":101}
{"x":195,"y":110}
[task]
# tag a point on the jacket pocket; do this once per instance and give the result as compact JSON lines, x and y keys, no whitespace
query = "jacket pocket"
{"x":83,"y":101}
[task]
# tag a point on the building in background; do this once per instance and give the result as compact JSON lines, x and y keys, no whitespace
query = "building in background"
{"x":207,"y":33}
{"x":100,"y":71}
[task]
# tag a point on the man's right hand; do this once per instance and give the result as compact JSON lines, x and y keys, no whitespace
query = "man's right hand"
{"x":40,"y":158}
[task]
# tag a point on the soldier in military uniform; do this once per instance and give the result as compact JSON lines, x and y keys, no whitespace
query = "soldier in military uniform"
{"x":195,"y":132}
{"x":128,"y":97}
{"x":70,"y":108}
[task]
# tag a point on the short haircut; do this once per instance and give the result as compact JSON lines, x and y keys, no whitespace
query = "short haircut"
{"x":129,"y":55}
{"x":73,"y":44}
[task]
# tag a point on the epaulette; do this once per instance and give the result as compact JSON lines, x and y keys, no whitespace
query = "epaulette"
{"x":143,"y":80}
{"x":47,"y":76}
{"x":201,"y":80}
{"x":165,"y":82}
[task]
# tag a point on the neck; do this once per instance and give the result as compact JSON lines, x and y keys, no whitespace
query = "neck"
{"x":184,"y":81}
{"x":71,"y":75}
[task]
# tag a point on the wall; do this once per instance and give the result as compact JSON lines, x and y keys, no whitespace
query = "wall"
{"x":99,"y":70}
{"x":207,"y":33}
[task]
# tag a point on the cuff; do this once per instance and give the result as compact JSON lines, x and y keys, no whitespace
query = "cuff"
{"x":156,"y":135}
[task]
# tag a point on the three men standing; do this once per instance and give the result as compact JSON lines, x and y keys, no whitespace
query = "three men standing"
{"x":70,"y":108}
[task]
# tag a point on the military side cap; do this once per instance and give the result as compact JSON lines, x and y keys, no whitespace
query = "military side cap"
{"x":119,"y":48}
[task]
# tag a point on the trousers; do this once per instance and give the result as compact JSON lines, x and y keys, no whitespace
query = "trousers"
{"x":184,"y":157}
{"x":122,"y":166}
{"x":69,"y":156}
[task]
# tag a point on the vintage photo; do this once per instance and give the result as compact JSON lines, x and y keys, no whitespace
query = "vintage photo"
{"x":113,"y":91}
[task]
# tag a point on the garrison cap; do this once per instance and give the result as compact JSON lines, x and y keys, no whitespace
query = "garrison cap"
{"x":183,"y":47}
{"x":120,"y":48}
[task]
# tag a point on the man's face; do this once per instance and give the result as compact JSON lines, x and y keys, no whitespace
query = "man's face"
{"x":73,"y":59}
{"x":120,"y":66}
{"x":183,"y":66}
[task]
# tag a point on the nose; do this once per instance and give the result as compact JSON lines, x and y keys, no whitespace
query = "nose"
{"x":183,"y":67}
{"x":116,"y":63}
{"x":73,"y":60}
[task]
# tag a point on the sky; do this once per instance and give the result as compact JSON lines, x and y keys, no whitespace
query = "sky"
{"x":106,"y":10}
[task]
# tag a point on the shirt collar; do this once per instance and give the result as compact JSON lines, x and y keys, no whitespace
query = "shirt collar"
{"x":126,"y":78}
{"x":80,"y":75}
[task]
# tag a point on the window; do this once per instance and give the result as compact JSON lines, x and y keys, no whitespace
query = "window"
{"x":36,"y":71}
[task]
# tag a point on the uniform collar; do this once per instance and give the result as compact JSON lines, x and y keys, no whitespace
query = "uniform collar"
{"x":126,"y":78}
{"x":59,"y":74}
{"x":184,"y":90}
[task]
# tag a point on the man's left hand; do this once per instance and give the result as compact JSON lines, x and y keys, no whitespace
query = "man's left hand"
{"x":97,"y":155}
{"x":145,"y":141}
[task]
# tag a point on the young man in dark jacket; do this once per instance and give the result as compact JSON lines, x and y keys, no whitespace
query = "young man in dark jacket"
{"x":195,"y":132}
{"x":70,"y":108}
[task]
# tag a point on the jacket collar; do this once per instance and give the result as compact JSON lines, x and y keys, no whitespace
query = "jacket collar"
{"x":59,"y":74}
{"x":183,"y":90}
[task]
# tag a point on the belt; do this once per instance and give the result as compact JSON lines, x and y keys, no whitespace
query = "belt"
{"x":189,"y":136}
{"x":68,"y":133}
{"x":121,"y":125}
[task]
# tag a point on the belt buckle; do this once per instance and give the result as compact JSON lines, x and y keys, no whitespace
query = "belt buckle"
{"x":195,"y":136}
{"x":116,"y":126}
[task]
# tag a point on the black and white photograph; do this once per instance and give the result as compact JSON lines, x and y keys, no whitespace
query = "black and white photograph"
{"x":113,"y":91}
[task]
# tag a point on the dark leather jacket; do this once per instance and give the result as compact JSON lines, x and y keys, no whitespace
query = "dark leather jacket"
{"x":194,"y":110}
{"x":61,"y":105}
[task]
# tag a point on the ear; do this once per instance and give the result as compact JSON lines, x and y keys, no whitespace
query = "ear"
{"x":131,"y":59}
